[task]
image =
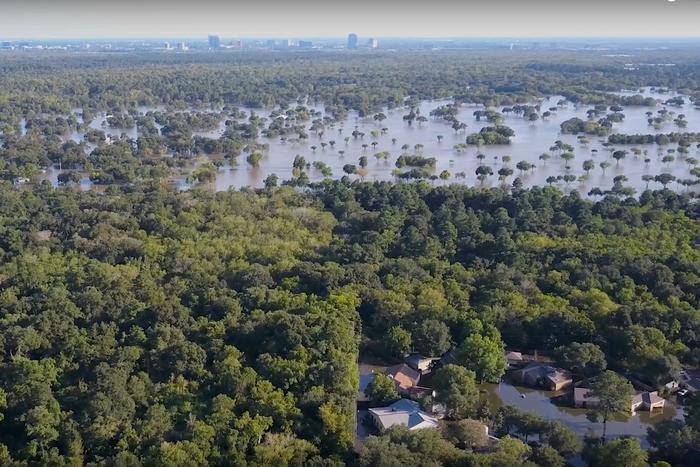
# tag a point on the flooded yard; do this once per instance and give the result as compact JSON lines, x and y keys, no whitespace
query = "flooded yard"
{"x":554,"y":406}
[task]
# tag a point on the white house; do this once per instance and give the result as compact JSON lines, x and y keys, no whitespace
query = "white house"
{"x":403,"y":412}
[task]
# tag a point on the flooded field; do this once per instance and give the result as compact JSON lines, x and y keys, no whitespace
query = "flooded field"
{"x":381,"y":142}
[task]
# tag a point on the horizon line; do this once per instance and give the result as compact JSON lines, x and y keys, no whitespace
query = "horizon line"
{"x":344,"y":37}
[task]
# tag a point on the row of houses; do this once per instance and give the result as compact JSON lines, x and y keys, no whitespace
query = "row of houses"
{"x":404,"y":412}
{"x":531,"y":371}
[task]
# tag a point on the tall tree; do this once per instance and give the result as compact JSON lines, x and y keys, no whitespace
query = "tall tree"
{"x":382,"y":390}
{"x":455,"y":387}
{"x":625,"y":452}
{"x":484,"y":356}
{"x":586,"y":359}
{"x":614,"y":396}
{"x":431,"y":338}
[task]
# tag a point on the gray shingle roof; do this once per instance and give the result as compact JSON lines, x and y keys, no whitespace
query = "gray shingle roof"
{"x":403,"y":412}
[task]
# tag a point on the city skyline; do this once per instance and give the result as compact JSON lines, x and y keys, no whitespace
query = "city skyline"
{"x":40,"y":19}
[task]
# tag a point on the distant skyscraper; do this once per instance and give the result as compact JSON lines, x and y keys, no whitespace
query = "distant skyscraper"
{"x":352,"y":41}
{"x":214,"y":42}
{"x":271,"y":43}
{"x":182,"y":46}
{"x":373,"y":44}
{"x":306,"y":44}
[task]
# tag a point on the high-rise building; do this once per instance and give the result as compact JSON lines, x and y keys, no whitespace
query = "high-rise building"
{"x":182,"y":46}
{"x":271,"y":43}
{"x":305,"y":44}
{"x":373,"y":44}
{"x":352,"y":41}
{"x":214,"y":42}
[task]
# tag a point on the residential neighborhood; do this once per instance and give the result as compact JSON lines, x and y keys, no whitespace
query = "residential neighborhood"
{"x":416,"y":409}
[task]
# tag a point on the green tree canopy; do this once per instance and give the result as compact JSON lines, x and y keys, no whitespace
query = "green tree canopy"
{"x":455,"y":387}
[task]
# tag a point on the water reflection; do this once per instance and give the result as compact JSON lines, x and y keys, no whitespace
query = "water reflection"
{"x":51,"y":174}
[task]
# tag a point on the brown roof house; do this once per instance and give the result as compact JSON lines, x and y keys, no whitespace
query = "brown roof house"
{"x":647,"y":401}
{"x":404,"y":376}
{"x":543,"y":376}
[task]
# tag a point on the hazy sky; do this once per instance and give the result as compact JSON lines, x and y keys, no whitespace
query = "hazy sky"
{"x":317,"y":18}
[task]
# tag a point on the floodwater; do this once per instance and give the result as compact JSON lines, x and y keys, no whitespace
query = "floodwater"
{"x":530,"y":141}
{"x":547,"y":405}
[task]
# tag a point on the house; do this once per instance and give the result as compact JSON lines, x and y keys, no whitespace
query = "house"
{"x":514,"y":359}
{"x":670,"y":384}
{"x":404,"y":376}
{"x":403,"y":412}
{"x":514,"y":356}
{"x":558,"y":380}
{"x":422,"y":364}
{"x":644,"y":383}
{"x":691,"y":379}
{"x":544,"y":376}
{"x":583,"y":399}
{"x":645,"y":400}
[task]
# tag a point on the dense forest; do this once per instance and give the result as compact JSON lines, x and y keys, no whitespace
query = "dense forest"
{"x":164,"y":327}
{"x":362,"y":82}
{"x":144,"y":325}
